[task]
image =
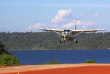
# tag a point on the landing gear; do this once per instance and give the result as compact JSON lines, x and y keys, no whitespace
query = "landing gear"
{"x":76,"y":41}
{"x":62,"y":41}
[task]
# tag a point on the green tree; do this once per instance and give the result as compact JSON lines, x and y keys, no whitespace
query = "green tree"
{"x":90,"y":61}
{"x":7,"y":59}
{"x":53,"y":62}
{"x":2,"y":48}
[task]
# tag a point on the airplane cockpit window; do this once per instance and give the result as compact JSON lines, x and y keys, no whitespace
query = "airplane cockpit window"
{"x":67,"y":30}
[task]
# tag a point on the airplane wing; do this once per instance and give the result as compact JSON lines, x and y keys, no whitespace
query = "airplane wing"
{"x":81,"y":31}
{"x":54,"y":30}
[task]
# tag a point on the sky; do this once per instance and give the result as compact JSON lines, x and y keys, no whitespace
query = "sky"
{"x":24,"y":15}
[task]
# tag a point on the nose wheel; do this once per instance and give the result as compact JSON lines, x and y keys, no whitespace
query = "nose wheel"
{"x":76,"y":41}
{"x":60,"y":41}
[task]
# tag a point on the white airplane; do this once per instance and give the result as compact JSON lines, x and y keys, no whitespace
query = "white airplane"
{"x":68,"y":34}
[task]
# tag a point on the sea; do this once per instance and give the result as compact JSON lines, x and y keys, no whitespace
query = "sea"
{"x":36,"y":57}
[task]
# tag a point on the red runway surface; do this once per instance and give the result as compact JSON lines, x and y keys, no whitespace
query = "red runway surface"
{"x":63,"y":69}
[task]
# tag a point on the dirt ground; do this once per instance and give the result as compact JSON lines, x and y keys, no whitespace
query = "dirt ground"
{"x":57,"y":69}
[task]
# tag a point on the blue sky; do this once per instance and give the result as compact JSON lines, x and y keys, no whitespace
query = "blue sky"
{"x":23,"y":15}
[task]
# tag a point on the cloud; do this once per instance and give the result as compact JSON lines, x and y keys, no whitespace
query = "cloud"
{"x":69,"y":25}
{"x":78,"y":17}
{"x":86,"y":24}
{"x":37,"y":25}
{"x":61,"y":15}
{"x":96,"y":14}
{"x":65,"y":21}
{"x":81,"y":24}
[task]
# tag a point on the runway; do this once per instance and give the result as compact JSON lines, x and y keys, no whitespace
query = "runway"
{"x":57,"y":69}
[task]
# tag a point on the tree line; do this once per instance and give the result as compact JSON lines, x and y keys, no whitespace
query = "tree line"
{"x":51,"y":41}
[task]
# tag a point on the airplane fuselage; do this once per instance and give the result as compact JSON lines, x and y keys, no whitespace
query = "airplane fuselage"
{"x":67,"y":35}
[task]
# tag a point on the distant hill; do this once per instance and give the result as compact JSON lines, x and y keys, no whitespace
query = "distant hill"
{"x":50,"y":40}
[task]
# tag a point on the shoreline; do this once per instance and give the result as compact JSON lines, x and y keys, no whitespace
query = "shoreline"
{"x":57,"y":49}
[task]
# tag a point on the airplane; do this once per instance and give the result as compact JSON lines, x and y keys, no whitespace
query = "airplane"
{"x":68,"y":35}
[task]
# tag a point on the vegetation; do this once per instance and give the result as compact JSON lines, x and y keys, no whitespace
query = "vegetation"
{"x":7,"y":59}
{"x":50,"y":41}
{"x":57,"y":62}
{"x":51,"y":62}
{"x":89,"y":61}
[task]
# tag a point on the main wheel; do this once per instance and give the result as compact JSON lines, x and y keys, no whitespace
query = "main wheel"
{"x":64,"y":41}
{"x":76,"y":41}
{"x":60,"y":41}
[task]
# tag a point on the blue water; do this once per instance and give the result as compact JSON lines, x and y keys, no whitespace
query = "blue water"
{"x":35,"y":57}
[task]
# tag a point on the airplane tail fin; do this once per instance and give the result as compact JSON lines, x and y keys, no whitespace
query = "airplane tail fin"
{"x":75,"y":26}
